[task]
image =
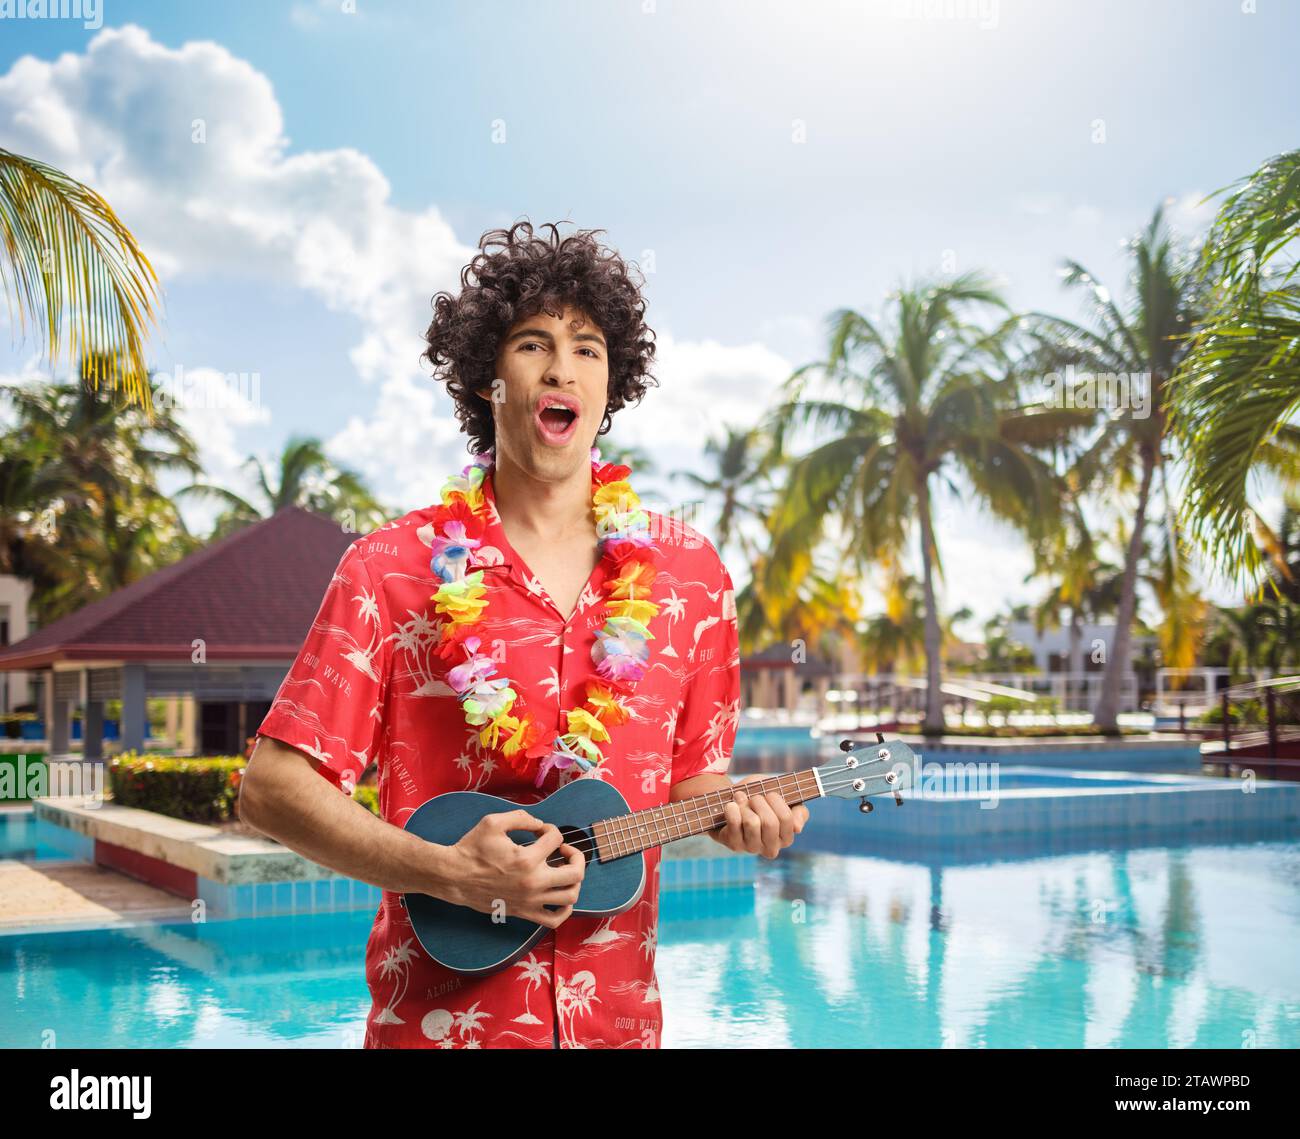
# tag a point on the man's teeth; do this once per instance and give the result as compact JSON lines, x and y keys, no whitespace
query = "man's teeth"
{"x":558,"y":418}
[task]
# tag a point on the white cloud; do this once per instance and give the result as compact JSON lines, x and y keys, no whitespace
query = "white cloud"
{"x":1191,"y":214}
{"x":217,"y":410}
{"x":407,"y":446}
{"x":189,"y":146}
{"x":30,"y":372}
{"x":412,"y":440}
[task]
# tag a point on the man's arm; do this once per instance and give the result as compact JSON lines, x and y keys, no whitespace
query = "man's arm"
{"x":283,"y":796}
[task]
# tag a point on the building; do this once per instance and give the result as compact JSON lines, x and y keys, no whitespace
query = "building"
{"x":15,"y":598}
{"x":217,"y":630}
{"x":1051,"y":648}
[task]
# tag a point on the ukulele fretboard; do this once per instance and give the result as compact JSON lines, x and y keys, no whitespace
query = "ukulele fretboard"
{"x":656,"y":826}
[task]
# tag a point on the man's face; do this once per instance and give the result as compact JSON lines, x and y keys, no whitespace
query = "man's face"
{"x":545,"y":360}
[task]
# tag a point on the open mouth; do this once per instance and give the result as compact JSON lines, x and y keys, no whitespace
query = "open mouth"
{"x":557,"y":423}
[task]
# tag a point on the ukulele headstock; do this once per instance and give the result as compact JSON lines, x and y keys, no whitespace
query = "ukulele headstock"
{"x":867,"y":769}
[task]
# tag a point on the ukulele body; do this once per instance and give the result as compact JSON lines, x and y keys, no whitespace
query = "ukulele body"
{"x":470,"y":942}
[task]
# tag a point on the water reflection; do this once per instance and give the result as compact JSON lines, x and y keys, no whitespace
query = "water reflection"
{"x":1134,"y":947}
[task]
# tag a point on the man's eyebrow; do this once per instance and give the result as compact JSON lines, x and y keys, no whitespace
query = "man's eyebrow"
{"x":541,"y":333}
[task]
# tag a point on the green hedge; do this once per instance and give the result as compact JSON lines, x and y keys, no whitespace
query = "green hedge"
{"x":1239,"y":712}
{"x":368,"y":797}
{"x":198,"y":790}
{"x":201,"y":790}
{"x":1038,"y":731}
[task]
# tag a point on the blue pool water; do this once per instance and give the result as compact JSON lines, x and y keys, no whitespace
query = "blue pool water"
{"x":1183,"y":946}
{"x":974,"y":778}
{"x":18,"y":838}
{"x":1143,"y":912}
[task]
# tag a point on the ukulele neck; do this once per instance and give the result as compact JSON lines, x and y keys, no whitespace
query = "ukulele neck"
{"x":658,"y":826}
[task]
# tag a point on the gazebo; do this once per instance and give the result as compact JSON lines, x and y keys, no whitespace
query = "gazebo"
{"x":221,"y":626}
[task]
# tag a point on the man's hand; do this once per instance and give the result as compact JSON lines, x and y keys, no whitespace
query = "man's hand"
{"x":759,"y":824}
{"x":493,"y":871}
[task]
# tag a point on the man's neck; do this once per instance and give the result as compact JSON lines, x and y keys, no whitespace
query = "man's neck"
{"x":534,"y":509}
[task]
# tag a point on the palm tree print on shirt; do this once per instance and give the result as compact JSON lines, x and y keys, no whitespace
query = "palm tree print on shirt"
{"x":454,"y":1029}
{"x":396,"y":963}
{"x":574,"y":996}
{"x":535,"y":973}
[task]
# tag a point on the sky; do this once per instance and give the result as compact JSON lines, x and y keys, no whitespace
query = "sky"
{"x":305,"y":176}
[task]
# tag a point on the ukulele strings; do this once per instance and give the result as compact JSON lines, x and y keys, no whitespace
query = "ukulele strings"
{"x":828,"y":786}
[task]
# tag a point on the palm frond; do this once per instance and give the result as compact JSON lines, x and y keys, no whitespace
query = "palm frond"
{"x":69,"y":258}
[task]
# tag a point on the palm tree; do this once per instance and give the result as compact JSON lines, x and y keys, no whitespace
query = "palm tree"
{"x":894,"y":639}
{"x":821,"y":614}
{"x":66,"y":254}
{"x":1282,"y":552}
{"x":81,"y":472}
{"x":1002,"y":652}
{"x":637,"y":458}
{"x":921,"y":395}
{"x":738,"y":475}
{"x":29,"y":483}
{"x":1143,"y":343}
{"x":1265,"y":632}
{"x":1068,"y":558}
{"x":1234,"y":400}
{"x":305,"y":477}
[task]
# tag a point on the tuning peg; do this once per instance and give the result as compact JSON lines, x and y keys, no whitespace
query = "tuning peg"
{"x":880,"y":737}
{"x":866,"y":806}
{"x":898,"y":799}
{"x":849,"y":745}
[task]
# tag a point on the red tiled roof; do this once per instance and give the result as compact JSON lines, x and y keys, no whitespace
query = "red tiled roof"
{"x":251,"y":596}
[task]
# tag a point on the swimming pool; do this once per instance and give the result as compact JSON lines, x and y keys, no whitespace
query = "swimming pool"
{"x":19,"y":837}
{"x":1181,"y":946}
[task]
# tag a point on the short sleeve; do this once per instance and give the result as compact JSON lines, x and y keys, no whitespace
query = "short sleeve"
{"x":705,"y":732}
{"x":330,"y":704}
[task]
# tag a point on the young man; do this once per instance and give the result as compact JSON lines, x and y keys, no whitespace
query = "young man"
{"x":556,"y":609}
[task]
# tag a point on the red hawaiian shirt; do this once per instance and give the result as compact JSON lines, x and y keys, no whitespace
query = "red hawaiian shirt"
{"x":368,"y":684}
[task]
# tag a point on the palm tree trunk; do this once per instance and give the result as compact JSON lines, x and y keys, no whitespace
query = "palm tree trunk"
{"x":1107,"y":714}
{"x":934,"y":722}
{"x":1075,"y":664}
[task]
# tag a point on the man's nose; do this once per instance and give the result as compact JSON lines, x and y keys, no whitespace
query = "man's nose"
{"x":561,"y":371}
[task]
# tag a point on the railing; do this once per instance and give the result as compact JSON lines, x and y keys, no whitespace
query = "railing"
{"x":1075,"y":692}
{"x":1268,"y":729}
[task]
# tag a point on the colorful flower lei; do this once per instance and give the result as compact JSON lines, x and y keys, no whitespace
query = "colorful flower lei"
{"x":620,"y":653}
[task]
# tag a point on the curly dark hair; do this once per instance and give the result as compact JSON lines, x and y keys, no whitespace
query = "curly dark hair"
{"x":518,"y":274}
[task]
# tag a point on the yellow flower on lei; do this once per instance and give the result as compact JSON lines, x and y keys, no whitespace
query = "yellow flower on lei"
{"x":462,"y":601}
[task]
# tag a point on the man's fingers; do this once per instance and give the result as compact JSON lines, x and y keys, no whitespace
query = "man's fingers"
{"x":549,"y":838}
{"x":549,"y":918}
{"x":519,"y":820}
{"x":769,"y":827}
{"x":751,"y":824}
{"x":784,"y":817}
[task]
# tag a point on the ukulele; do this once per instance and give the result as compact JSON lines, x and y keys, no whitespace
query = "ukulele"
{"x":594,"y":818}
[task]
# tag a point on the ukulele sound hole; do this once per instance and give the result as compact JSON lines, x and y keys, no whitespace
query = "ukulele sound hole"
{"x":576,"y":837}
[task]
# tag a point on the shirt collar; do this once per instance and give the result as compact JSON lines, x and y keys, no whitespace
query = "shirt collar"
{"x":494,"y":534}
{"x":511,"y":564}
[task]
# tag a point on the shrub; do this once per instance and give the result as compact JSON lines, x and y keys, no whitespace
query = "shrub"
{"x":199,"y":790}
{"x":1241,"y":712}
{"x":368,"y":797}
{"x":1036,"y":731}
